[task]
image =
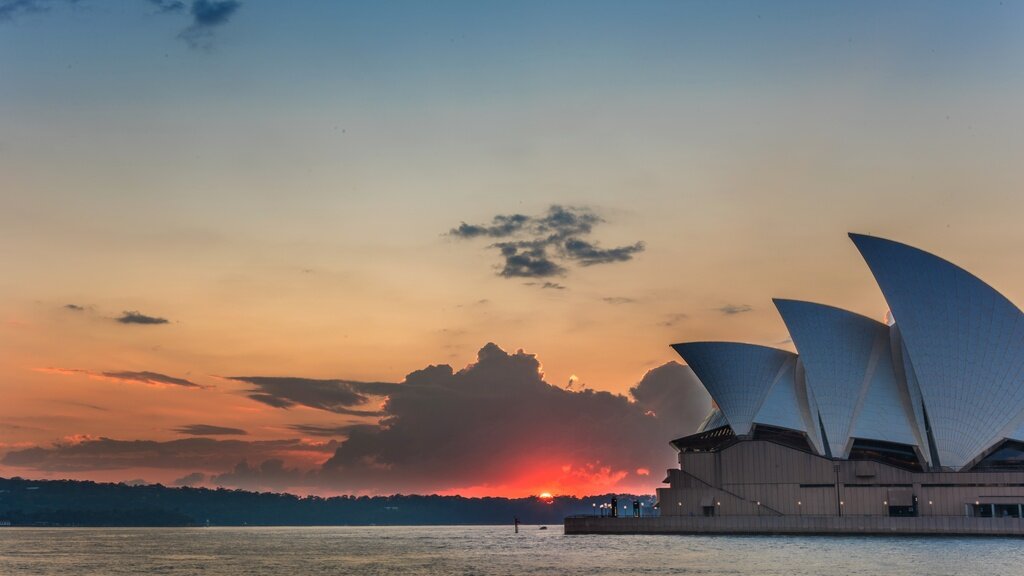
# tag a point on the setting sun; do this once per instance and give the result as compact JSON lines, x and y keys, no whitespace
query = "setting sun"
{"x":546,"y":497}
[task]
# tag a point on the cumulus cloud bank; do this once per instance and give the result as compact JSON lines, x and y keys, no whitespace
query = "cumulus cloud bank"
{"x":494,"y":427}
{"x":498,"y":423}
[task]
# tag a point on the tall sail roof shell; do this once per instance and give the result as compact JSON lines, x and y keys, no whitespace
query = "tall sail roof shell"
{"x":738,"y":376}
{"x":848,"y":364}
{"x":965,"y":342}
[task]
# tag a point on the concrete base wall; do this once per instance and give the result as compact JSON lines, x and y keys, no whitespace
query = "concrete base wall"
{"x":933,"y":525}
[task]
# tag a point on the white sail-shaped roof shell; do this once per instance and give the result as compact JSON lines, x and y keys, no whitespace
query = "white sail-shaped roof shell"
{"x":738,"y":376}
{"x":965,"y":342}
{"x":781,"y":405}
{"x":848,"y":363}
{"x":808,"y":409}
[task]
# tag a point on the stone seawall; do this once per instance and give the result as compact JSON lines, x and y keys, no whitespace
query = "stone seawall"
{"x":922,"y":525}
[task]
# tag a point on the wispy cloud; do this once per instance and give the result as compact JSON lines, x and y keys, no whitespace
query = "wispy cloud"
{"x":329,"y":431}
{"x":207,"y":16}
{"x":617,"y":300}
{"x":144,"y":377}
{"x":209,"y":430}
{"x":673,"y":319}
{"x":731,"y":309}
{"x":166,"y":6}
{"x":192,"y":479}
{"x":136,"y":317}
{"x":10,"y":9}
{"x":546,"y":285}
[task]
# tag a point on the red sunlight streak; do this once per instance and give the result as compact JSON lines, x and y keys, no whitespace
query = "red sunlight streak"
{"x":560,"y":479}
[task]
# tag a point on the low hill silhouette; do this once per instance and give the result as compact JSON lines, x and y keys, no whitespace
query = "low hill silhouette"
{"x":82,"y":503}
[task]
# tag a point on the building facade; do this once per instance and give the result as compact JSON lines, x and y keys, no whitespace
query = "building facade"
{"x":920,"y":417}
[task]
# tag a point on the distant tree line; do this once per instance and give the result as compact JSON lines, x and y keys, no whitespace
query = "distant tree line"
{"x":82,"y":503}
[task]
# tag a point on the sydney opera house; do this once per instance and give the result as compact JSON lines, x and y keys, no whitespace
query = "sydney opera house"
{"x":915,"y":426}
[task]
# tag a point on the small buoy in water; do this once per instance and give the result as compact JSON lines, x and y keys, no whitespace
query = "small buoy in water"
{"x":543,"y":527}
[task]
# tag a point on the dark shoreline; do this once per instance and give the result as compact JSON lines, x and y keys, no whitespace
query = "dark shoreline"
{"x":73,"y":503}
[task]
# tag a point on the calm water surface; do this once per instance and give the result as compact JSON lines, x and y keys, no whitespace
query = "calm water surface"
{"x":486,"y":550}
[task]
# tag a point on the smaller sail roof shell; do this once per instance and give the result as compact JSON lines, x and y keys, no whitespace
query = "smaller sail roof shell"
{"x":781,"y":406}
{"x":738,"y":376}
{"x":847,"y":360}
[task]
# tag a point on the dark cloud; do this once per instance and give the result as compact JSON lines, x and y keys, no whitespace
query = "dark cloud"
{"x":207,"y":16}
{"x":730,"y":309}
{"x":193,"y":479}
{"x":527,"y":260}
{"x":151,"y":378}
{"x":589,"y":254}
{"x":338,"y":396}
{"x":206,"y":454}
{"x":74,"y":307}
{"x":166,"y":6}
{"x":501,"y":226}
{"x":618,"y":300}
{"x":328,"y":431}
{"x":537,"y":246}
{"x":497,"y":422}
{"x":270,"y":474}
{"x":561,"y":222}
{"x":209,"y":430}
{"x":136,"y":317}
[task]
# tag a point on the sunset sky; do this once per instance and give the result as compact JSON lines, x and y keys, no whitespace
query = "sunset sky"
{"x":299,"y":245}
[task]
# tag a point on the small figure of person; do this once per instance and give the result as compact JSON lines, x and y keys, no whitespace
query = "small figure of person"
{"x":615,"y":507}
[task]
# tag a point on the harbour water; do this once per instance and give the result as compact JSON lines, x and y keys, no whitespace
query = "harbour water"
{"x":485,"y":550}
